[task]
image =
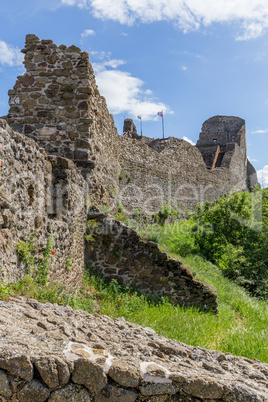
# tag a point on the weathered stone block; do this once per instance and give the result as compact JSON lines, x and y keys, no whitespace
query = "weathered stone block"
{"x":114,"y":394}
{"x":54,"y":371}
{"x":89,"y":374}
{"x":5,"y":389}
{"x":70,"y":393}
{"x":33,"y":391}
{"x":124,"y":374}
{"x":30,"y":38}
{"x":61,"y":72}
{"x":47,"y":131}
{"x":17,"y":365}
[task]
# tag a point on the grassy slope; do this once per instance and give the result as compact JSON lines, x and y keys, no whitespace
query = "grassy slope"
{"x":241,"y":327}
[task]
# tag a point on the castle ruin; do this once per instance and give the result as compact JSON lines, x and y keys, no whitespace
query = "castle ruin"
{"x":62,"y":155}
{"x":57,"y":103}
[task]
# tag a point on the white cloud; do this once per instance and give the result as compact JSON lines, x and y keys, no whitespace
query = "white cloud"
{"x":260,"y":131}
{"x":184,"y":68}
{"x":124,"y":94}
{"x":253,"y":160}
{"x":263,"y":176}
{"x":252,"y":16}
{"x":10,"y":55}
{"x":114,"y":63}
{"x":124,"y":34}
{"x":148,"y":92}
{"x":188,"y":140}
{"x":88,"y":32}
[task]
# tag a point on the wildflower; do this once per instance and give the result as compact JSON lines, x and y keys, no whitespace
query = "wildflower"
{"x":128,"y":294}
{"x":120,"y":300}
{"x":53,"y":252}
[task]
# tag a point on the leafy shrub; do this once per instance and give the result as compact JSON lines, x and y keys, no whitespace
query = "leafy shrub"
{"x":167,"y":211}
{"x":233,"y":233}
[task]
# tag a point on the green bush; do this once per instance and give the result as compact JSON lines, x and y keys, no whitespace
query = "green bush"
{"x":233,"y":233}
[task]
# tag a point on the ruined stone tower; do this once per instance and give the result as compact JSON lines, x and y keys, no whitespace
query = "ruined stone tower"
{"x":57,"y":103}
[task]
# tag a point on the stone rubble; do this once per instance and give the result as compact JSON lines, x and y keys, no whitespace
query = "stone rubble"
{"x":54,"y":353}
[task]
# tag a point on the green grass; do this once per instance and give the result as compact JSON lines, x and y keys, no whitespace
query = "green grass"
{"x":241,"y":326}
{"x":78,"y":298}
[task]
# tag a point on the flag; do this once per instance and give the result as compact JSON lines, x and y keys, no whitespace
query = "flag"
{"x":139,"y":117}
{"x":160,"y":114}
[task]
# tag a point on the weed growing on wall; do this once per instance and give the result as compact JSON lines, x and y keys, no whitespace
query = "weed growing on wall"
{"x":92,"y":224}
{"x":27,"y":251}
{"x":68,"y":264}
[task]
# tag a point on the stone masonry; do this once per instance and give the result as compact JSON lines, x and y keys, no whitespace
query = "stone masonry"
{"x":57,"y":102}
{"x":56,"y":354}
{"x":118,"y":253}
{"x":44,"y":196}
{"x":40,"y":196}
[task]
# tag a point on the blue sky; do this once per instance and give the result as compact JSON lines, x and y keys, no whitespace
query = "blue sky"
{"x":190,"y":58}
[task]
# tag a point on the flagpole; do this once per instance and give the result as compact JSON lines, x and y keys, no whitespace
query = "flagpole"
{"x":163,"y":125}
{"x":141,"y":127}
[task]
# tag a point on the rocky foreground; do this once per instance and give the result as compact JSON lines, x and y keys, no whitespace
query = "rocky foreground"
{"x":54,"y":353}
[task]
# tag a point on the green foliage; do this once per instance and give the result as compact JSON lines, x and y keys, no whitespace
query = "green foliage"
{"x":4,"y":291}
{"x":122,"y":174}
{"x":239,"y":328}
{"x":68,"y":264}
{"x":92,"y":224}
{"x":233,"y":233}
{"x":80,"y":298}
{"x":167,"y":211}
{"x":120,"y":207}
{"x":26,"y":251}
{"x":43,"y":268}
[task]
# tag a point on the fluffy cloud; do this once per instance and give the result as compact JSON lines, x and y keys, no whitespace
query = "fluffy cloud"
{"x":263,"y":176}
{"x":260,"y":131}
{"x":123,"y":92}
{"x":188,"y":140}
{"x":10,"y":55}
{"x":88,"y":32}
{"x":185,"y":14}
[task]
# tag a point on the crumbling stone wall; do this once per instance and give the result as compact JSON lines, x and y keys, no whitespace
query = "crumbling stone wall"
{"x":40,"y":196}
{"x":43,"y":195}
{"x":118,"y":253}
{"x":223,"y":129}
{"x":57,"y":103}
{"x":177,"y":174}
{"x":56,"y":354}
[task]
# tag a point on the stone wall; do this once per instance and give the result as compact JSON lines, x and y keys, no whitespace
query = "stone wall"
{"x":44,"y":196}
{"x":118,"y":253}
{"x":53,"y":353}
{"x":177,"y":174}
{"x":57,"y":102}
{"x":223,"y":129}
{"x":40,"y":196}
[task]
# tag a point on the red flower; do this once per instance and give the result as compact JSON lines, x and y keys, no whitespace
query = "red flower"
{"x":53,"y":252}
{"x":128,"y":294}
{"x":120,"y":300}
